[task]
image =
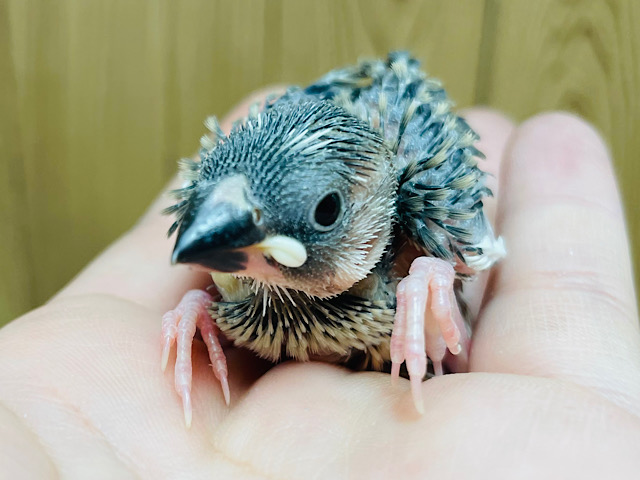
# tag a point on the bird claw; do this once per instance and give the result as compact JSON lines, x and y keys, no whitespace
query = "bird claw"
{"x":179,"y":326}
{"x":185,"y":394}
{"x":427,"y":323}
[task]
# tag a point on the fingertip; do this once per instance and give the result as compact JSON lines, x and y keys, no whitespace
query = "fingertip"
{"x":558,"y":153}
{"x":484,"y":120}
{"x":561,"y":123}
{"x":560,"y":202}
{"x":495,"y":130}
{"x":564,"y":292}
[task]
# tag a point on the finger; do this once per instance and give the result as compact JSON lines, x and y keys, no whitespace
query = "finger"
{"x":87,"y":381}
{"x":495,"y":130}
{"x":485,"y":423}
{"x":137,"y":267}
{"x":563,"y":300}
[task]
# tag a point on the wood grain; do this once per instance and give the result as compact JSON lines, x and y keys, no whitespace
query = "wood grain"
{"x":16,"y":268}
{"x":99,"y":99}
{"x":583,"y":57}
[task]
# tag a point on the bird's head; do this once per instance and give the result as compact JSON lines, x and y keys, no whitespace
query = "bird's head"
{"x":302,"y":196}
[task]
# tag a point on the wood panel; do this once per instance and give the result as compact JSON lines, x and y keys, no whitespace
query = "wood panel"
{"x":583,"y":57}
{"x":100,"y":98}
{"x":90,"y":126}
{"x":15,"y":266}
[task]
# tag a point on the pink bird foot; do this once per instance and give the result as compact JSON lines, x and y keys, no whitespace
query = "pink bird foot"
{"x":427,"y":322}
{"x":181,"y":324}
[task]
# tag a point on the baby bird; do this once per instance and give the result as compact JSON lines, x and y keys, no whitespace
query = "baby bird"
{"x":338,"y":223}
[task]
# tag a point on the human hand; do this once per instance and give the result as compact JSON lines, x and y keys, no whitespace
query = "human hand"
{"x":554,"y":387}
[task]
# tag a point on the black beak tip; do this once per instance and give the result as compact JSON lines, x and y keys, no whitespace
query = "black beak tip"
{"x":175,"y":256}
{"x":185,"y":251}
{"x":215,"y":239}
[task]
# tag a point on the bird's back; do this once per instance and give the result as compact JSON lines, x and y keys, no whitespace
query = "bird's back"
{"x":440,"y":185}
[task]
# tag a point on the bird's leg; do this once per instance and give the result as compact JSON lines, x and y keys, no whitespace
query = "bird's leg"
{"x":180,"y":324}
{"x":427,"y":322}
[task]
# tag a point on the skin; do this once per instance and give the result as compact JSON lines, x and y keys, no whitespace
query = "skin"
{"x":554,"y":388}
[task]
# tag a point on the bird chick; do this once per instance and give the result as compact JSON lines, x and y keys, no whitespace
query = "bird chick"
{"x":338,"y":223}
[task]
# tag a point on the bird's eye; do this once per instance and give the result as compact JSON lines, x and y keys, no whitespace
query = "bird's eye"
{"x":327,"y":212}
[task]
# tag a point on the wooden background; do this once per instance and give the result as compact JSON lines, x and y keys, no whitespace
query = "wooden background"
{"x":98,"y":98}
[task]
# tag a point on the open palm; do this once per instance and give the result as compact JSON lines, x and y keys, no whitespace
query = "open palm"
{"x":554,"y":388}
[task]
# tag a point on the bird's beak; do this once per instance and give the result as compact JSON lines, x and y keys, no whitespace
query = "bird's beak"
{"x":221,"y":234}
{"x":216,"y":236}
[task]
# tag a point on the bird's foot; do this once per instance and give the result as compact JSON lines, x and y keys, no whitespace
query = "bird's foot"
{"x":180,"y":325}
{"x":427,"y":323}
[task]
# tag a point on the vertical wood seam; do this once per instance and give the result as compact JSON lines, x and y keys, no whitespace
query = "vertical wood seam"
{"x":486,"y":52}
{"x":16,"y":163}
